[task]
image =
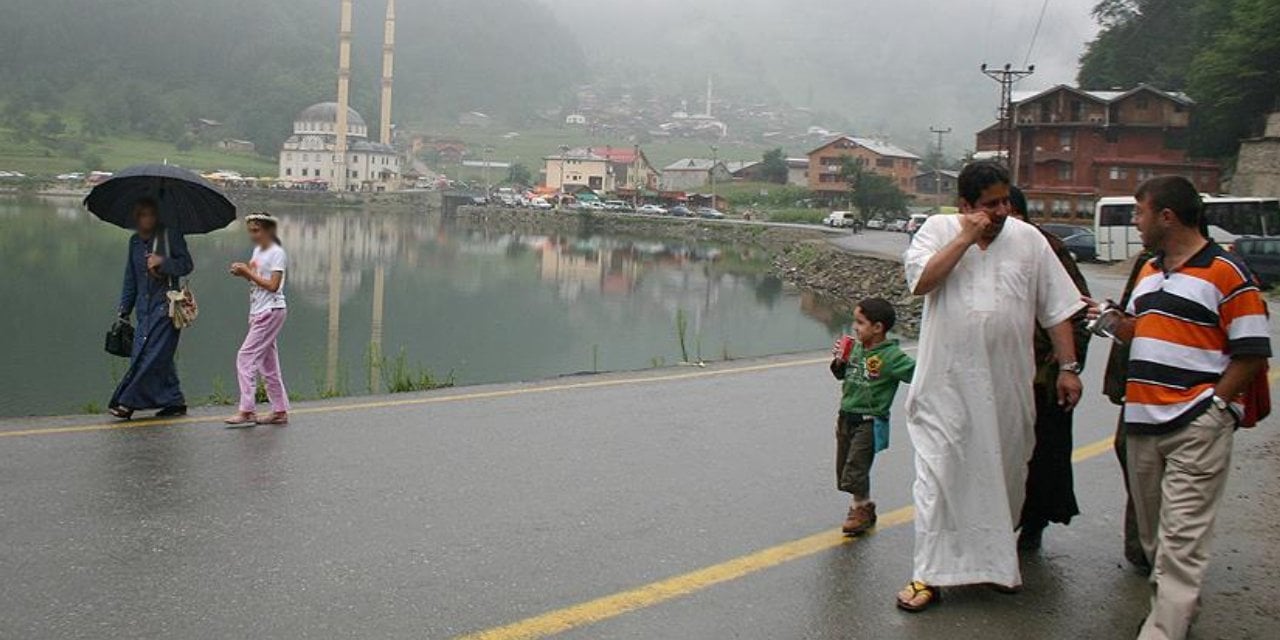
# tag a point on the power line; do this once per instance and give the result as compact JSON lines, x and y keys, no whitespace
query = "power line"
{"x":1036,"y":34}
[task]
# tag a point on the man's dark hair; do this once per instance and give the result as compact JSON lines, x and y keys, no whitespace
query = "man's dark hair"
{"x":879,"y":310}
{"x":1018,"y":202}
{"x":1176,"y":194}
{"x":147,"y":202}
{"x":977,"y":177}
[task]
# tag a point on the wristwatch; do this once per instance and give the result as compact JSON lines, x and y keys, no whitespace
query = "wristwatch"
{"x":1070,"y":367}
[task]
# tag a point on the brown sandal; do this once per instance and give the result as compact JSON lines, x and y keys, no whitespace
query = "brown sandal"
{"x":241,"y":420}
{"x":918,"y":596}
{"x":279,"y":418}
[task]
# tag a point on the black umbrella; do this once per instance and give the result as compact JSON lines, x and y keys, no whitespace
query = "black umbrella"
{"x":188,"y":203}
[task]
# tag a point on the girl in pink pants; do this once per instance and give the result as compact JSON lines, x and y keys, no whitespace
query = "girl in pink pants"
{"x":267,"y":311}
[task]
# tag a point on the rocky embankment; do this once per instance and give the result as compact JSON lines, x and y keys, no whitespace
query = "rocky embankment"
{"x":801,"y":256}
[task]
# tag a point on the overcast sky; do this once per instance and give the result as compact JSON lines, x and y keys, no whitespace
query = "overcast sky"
{"x":891,"y":67}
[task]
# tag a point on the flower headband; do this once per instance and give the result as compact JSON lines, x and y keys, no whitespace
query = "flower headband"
{"x":262,"y":217}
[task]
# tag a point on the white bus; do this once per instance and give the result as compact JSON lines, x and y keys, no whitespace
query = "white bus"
{"x":1228,"y":218}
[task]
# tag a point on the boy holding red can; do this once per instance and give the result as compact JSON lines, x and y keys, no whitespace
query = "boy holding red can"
{"x":871,"y":367}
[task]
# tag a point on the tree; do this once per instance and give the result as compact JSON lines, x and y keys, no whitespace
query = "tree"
{"x":53,"y":126}
{"x":871,"y":193}
{"x":519,"y":174}
{"x":773,"y":167}
{"x":1236,"y":77}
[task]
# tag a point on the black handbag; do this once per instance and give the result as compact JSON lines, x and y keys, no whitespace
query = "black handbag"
{"x":120,"y":339}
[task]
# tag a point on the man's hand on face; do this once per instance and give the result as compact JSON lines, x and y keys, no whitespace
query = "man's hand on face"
{"x":974,"y":224}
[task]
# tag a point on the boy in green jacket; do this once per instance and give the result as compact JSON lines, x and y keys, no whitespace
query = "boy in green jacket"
{"x":871,"y":375}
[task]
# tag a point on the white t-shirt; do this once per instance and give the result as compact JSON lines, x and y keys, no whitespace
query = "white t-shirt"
{"x":264,"y":263}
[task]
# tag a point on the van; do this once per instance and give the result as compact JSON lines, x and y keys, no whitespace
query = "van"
{"x":839,"y":219}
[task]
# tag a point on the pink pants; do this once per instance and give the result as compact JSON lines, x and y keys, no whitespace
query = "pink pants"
{"x":258,"y":355}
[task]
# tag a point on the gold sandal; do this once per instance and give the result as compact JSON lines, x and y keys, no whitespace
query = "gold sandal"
{"x":917,"y":596}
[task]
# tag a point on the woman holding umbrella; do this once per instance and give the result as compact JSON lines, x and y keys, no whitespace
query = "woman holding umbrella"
{"x":161,"y":204}
{"x":157,"y":258}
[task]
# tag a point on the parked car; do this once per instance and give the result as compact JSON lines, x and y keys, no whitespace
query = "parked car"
{"x":1262,"y":256}
{"x":540,"y":203}
{"x":875,"y":223}
{"x":840,"y":219}
{"x":652,"y":209}
{"x":616,"y":205}
{"x":1083,"y":246}
{"x":710,"y":213}
{"x":899,"y":225}
{"x":917,"y":219}
{"x":1063,"y":231}
{"x":681,"y":211}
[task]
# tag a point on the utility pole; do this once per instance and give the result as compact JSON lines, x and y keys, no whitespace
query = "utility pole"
{"x":715,"y":160}
{"x":1006,"y":76}
{"x":937,"y":165}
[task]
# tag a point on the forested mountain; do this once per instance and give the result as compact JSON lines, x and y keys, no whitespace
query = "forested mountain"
{"x":150,"y":66}
{"x":1224,"y":53}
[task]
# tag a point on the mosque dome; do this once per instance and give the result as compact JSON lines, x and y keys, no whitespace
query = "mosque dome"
{"x":321,"y":118}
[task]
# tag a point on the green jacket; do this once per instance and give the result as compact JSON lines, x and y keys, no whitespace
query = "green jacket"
{"x":871,"y":378}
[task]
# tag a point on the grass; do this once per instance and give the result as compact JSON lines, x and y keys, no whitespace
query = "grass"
{"x":403,"y":378}
{"x":801,"y":216}
{"x":117,"y":152}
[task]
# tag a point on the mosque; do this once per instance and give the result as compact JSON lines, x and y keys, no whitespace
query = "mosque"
{"x":330,"y":146}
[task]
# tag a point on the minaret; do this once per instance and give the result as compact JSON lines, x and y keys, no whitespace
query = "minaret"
{"x":388,"y":53}
{"x":344,"y":98}
{"x":708,"y":96}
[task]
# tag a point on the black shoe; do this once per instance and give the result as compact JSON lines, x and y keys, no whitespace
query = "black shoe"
{"x":172,"y":412}
{"x":1029,"y":539}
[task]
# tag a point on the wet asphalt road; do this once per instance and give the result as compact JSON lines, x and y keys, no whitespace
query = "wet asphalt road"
{"x":429,"y":516}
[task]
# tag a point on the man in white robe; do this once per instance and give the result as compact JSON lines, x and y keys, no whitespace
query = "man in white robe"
{"x":987,"y":280}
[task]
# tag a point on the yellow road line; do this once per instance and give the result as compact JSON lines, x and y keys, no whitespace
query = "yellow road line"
{"x":419,"y":401}
{"x":612,"y":606}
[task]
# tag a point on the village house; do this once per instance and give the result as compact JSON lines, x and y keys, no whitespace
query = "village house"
{"x":579,"y":168}
{"x":688,"y":174}
{"x":1070,"y":146}
{"x":631,"y":168}
{"x":936,"y":187}
{"x":875,"y":156}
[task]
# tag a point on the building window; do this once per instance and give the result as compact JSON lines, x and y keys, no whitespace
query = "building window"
{"x":1065,"y":138}
{"x":1119,"y":173}
{"x":884,"y":163}
{"x":1146,"y":174}
{"x":1084,"y":209}
{"x":1061,"y":208}
{"x":288,"y":171}
{"x":304,"y":172}
{"x":355,"y":158}
{"x":306,"y":157}
{"x":288,"y":157}
{"x":1064,"y":172}
{"x":1035,"y":208}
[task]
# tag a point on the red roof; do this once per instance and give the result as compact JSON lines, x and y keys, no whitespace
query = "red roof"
{"x":616,"y":155}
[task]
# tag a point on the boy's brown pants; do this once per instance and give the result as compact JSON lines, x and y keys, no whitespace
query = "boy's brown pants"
{"x":855,"y":451}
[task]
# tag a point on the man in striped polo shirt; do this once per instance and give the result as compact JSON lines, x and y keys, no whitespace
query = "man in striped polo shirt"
{"x":1198,"y":334}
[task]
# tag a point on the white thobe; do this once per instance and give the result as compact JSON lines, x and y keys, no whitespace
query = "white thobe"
{"x":970,"y":410}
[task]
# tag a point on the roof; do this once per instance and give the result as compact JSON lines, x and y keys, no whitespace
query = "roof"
{"x":328,"y":112}
{"x":877,"y":147}
{"x":373,"y":147}
{"x":691,"y":164}
{"x":1102,"y":96}
{"x":946,"y":172}
{"x":739,"y":165}
{"x":577,"y":154}
{"x":617,"y":155}
{"x":797,"y":163}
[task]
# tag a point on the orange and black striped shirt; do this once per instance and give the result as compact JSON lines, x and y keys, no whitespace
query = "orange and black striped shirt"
{"x":1190,"y":323}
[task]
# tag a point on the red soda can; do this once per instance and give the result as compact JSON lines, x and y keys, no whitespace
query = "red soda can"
{"x":846,"y":347}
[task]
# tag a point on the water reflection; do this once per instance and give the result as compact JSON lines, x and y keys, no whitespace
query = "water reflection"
{"x":362,"y":286}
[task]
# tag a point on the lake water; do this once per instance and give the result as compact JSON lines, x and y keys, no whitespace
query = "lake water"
{"x":486,"y":306}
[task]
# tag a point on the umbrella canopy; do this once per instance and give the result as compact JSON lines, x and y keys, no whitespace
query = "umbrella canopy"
{"x":188,"y":203}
